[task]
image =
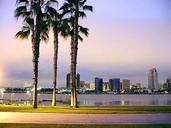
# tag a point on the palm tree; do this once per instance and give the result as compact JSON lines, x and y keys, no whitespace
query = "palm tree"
{"x":75,"y":9}
{"x":58,"y":26}
{"x":55,"y":22}
{"x":37,"y":27}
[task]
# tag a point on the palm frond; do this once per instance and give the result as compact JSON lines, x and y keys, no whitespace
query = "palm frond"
{"x":82,"y":14}
{"x":21,"y":11}
{"x":88,"y":8}
{"x":25,"y":28}
{"x":29,"y":21}
{"x":52,"y":3}
{"x":51,"y":11}
{"x":44,"y":37}
{"x":80,"y":38}
{"x":22,"y":2}
{"x":83,"y":30}
{"x":82,"y":2}
{"x":23,"y":34}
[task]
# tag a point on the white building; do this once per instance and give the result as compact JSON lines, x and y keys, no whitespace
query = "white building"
{"x":92,"y":86}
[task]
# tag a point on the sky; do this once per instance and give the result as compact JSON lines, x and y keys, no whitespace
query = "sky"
{"x":126,"y":39}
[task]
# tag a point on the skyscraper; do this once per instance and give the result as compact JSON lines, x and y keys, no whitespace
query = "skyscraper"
{"x":126,"y":85}
{"x":115,"y":85}
{"x":98,"y":85}
{"x":168,"y":83}
{"x":153,"y":79}
{"x":77,"y":81}
{"x":68,"y":81}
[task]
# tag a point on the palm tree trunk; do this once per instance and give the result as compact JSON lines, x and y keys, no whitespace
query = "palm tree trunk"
{"x":35,"y":82}
{"x":55,"y":60}
{"x":72,"y":74}
{"x":74,"y":50}
{"x":75,"y":74}
{"x":35,"y":50}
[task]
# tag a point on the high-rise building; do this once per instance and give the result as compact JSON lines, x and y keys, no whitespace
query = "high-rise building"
{"x":168,"y":84}
{"x":115,"y":85}
{"x":153,"y":80}
{"x":77,"y":81}
{"x":68,"y":81}
{"x":126,"y":85}
{"x":98,"y":85}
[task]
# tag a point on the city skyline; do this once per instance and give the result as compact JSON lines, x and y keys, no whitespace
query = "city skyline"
{"x":138,"y":40}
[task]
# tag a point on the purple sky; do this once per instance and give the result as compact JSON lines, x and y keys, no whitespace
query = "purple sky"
{"x":127,"y":38}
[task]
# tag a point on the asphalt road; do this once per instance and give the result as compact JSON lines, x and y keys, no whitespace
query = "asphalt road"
{"x":60,"y":118}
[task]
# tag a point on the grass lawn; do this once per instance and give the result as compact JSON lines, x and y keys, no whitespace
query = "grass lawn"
{"x":88,"y":109}
{"x":85,"y":126}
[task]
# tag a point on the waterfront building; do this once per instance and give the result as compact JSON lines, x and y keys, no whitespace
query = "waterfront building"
{"x":126,"y":85}
{"x":136,"y":88}
{"x":98,"y":85}
{"x":82,"y":84}
{"x":106,"y":86}
{"x":168,"y":84}
{"x":68,"y":81}
{"x":91,"y":86}
{"x":138,"y":85}
{"x":77,"y":81}
{"x":153,"y":80}
{"x":115,"y":84}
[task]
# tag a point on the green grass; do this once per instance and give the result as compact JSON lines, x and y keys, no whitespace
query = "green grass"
{"x":88,"y":109}
{"x":85,"y":126}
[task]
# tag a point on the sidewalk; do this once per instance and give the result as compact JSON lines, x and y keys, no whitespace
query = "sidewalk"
{"x":60,"y":118}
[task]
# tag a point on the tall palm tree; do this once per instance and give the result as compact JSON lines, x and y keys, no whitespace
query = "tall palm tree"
{"x":55,"y":22}
{"x":33,"y":9}
{"x":75,"y":9}
{"x":58,"y":26}
{"x":55,"y":25}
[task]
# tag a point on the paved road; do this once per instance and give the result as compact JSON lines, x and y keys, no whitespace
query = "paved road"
{"x":58,"y":118}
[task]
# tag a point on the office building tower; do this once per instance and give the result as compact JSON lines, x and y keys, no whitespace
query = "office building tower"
{"x":115,"y":85}
{"x":153,"y":80}
{"x":78,"y":80}
{"x":168,"y":84}
{"x":68,"y":81}
{"x":98,"y":85}
{"x":126,"y":85}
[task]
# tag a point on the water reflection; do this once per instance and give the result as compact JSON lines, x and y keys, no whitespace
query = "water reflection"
{"x":89,"y":100}
{"x":98,"y":104}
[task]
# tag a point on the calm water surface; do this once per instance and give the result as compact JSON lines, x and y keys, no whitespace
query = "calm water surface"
{"x":91,"y":100}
